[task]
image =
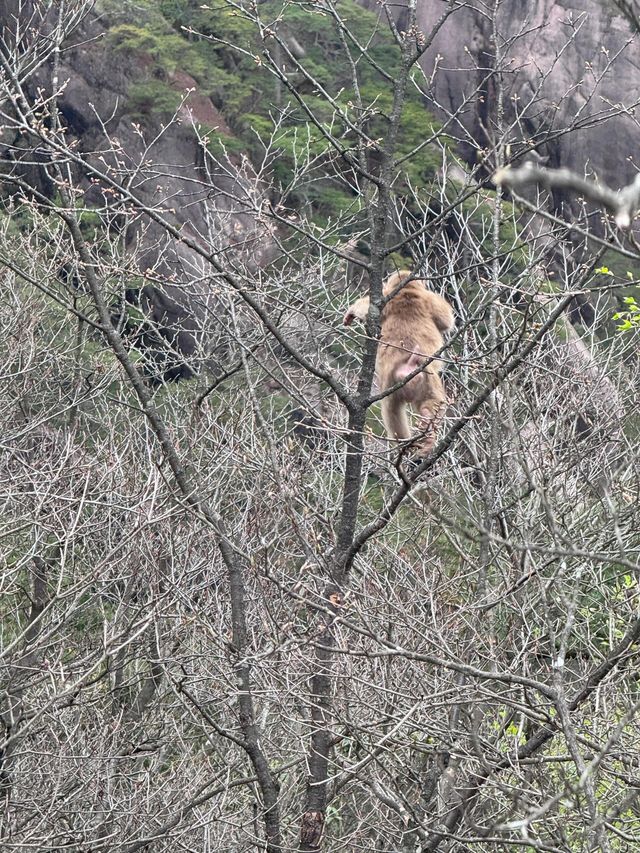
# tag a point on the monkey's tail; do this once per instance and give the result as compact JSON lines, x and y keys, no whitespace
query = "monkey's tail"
{"x":394,"y":415}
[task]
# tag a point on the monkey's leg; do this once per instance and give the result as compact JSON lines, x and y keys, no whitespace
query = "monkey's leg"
{"x":394,"y":415}
{"x":431,"y":410}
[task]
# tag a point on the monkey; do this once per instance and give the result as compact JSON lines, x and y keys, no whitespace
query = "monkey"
{"x":412,"y":327}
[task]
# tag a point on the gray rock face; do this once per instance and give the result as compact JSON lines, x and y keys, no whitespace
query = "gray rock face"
{"x":169,"y":172}
{"x":566,"y":64}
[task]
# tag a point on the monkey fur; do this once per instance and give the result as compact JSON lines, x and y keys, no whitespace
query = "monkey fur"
{"x":413,"y":323}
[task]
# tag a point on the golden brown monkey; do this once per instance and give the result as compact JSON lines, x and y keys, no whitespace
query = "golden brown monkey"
{"x":413,"y":323}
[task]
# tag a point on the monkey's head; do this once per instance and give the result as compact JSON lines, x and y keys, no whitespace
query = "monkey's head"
{"x":349,"y":317}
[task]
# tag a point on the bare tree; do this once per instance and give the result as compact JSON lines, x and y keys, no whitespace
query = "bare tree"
{"x":234,"y":617}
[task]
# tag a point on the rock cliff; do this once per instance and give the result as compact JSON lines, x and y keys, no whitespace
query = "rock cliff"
{"x":565,"y":65}
{"x":110,"y":101}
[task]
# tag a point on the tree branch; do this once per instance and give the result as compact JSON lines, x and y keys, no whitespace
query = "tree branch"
{"x":623,"y":204}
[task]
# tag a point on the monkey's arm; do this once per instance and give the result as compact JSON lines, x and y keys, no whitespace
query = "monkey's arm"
{"x":441,"y":312}
{"x":357,"y":311}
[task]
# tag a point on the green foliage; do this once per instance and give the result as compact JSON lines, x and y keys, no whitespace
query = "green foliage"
{"x":621,"y":268}
{"x":328,"y":63}
{"x":224,"y":52}
{"x":603,"y":271}
{"x":221,"y":144}
{"x":176,"y":11}
{"x":132,"y":39}
{"x":153,"y":97}
{"x":629,"y":319}
{"x":167,"y":50}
